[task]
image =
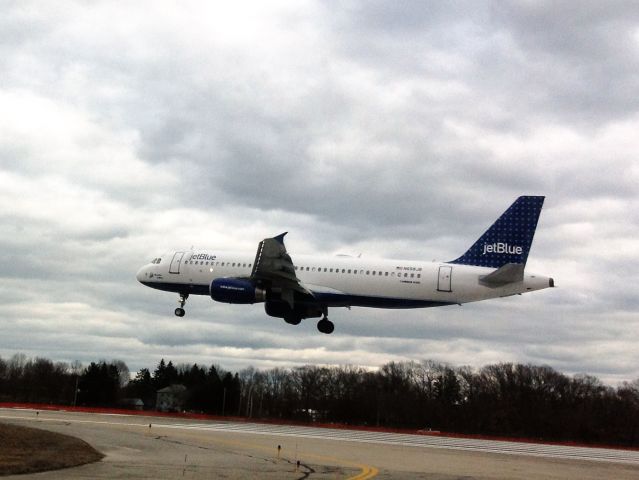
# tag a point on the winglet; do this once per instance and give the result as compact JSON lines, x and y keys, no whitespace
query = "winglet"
{"x":280,"y":238}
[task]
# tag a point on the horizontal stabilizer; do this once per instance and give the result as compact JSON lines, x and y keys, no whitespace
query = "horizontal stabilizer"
{"x":508,"y":273}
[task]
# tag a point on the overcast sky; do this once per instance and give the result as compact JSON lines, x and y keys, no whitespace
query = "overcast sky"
{"x":393,"y":129}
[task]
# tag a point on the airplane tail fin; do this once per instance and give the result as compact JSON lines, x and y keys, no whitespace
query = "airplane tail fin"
{"x":509,"y":239}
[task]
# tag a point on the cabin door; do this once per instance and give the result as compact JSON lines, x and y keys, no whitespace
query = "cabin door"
{"x":443,"y":282}
{"x":175,"y":263}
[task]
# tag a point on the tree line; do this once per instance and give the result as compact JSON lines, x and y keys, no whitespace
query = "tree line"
{"x":504,"y":399}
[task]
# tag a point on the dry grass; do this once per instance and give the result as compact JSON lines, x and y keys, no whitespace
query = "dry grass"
{"x":28,"y":450}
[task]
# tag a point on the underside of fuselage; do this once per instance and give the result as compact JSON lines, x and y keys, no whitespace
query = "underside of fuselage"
{"x":321,"y":298}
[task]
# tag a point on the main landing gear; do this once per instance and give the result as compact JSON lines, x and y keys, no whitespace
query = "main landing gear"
{"x":293,"y":320}
{"x":325,"y":325}
{"x":180,"y":311}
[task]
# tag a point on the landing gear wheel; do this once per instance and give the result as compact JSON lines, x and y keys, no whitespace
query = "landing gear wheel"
{"x":179,"y":312}
{"x":325,"y":326}
{"x":293,"y":320}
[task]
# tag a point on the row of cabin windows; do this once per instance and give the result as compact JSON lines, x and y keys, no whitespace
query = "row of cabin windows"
{"x":219,"y":264}
{"x":361,"y":272}
{"x":313,"y":269}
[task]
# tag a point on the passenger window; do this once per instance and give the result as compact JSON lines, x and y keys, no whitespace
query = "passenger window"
{"x":244,"y":265}
{"x":386,"y":274}
{"x":412,"y":275}
{"x":331,"y":271}
{"x":349,"y":270}
{"x":325,"y":269}
{"x":368,"y":272}
{"x":405,"y":275}
{"x":344,"y":270}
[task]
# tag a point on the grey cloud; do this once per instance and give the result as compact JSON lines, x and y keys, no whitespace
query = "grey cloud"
{"x":384,"y":129}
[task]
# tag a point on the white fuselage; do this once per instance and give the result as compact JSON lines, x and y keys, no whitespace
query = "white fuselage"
{"x":343,"y":280}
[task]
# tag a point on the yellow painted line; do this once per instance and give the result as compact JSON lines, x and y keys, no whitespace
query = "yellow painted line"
{"x":367,"y":471}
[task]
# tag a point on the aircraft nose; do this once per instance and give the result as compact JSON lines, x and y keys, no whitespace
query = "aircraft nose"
{"x":141,"y":274}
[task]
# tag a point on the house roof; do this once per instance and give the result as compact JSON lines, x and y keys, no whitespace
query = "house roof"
{"x":173,"y":389}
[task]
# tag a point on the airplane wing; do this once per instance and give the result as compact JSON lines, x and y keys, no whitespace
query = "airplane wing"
{"x":274,"y":268}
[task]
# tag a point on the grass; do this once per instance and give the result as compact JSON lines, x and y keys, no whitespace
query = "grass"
{"x":29,"y":450}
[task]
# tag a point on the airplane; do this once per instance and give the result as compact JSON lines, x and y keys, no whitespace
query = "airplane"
{"x":307,"y":287}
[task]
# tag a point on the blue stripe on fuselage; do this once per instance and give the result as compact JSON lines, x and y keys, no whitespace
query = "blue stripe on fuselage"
{"x":345,"y":300}
{"x":323,"y":298}
{"x":194,"y":289}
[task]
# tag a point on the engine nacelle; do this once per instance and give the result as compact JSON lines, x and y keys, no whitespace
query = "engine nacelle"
{"x":236,"y":290}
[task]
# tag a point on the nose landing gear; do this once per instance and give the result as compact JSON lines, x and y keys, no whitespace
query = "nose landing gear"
{"x":179,"y":312}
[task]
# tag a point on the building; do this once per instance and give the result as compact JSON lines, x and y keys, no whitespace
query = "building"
{"x":171,"y":398}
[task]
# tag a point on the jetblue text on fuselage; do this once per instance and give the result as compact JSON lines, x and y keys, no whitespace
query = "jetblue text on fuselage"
{"x":202,"y":256}
{"x":500,"y":247}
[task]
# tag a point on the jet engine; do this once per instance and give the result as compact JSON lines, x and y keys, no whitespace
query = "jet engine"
{"x":236,"y":290}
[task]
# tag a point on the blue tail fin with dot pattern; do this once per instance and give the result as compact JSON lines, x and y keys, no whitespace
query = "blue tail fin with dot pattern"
{"x":509,"y":239}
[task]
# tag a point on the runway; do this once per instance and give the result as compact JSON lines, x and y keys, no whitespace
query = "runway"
{"x":428,"y":441}
{"x":158,"y":447}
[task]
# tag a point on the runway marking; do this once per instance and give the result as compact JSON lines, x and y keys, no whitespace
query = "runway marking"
{"x":425,"y":441}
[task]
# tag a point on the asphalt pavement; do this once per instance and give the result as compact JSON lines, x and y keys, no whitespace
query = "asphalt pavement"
{"x":139,"y":447}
